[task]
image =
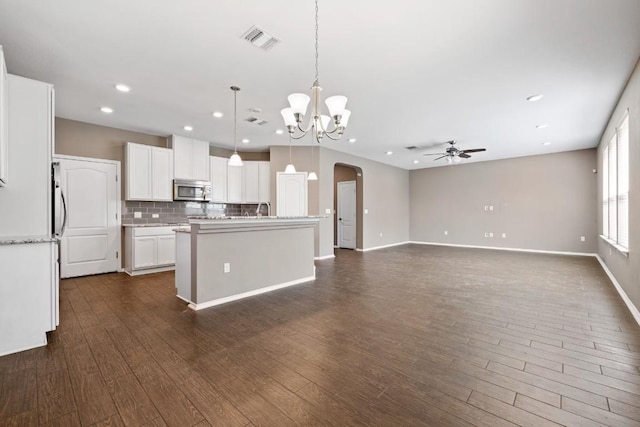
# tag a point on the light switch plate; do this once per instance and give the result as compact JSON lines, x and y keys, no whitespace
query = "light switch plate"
{"x":137,"y":214}
{"x":366,"y":211}
{"x":327,"y":211}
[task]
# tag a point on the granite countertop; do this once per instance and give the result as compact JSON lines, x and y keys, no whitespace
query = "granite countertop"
{"x":183,"y":229}
{"x":157,"y":224}
{"x":22,"y":240}
{"x":264,"y":217}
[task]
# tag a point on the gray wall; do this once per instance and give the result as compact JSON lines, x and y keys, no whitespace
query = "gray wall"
{"x":626,"y":269}
{"x":544,"y":202}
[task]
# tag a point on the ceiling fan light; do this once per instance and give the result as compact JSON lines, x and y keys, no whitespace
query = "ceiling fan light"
{"x":456,"y":159}
{"x":298,"y":103}
{"x":312,"y":176}
{"x":449,"y":159}
{"x":336,"y":105}
{"x":290,"y":168}
{"x":235,"y":160}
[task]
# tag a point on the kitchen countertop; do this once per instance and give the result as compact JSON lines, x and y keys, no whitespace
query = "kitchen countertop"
{"x":21,"y":240}
{"x":158,"y":224}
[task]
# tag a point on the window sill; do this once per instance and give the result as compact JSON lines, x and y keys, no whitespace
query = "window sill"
{"x":624,"y":251}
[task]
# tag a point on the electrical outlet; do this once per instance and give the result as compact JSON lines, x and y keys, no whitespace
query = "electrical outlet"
{"x":504,"y":235}
{"x":446,"y":232}
{"x":227,"y":267}
{"x":327,"y":211}
{"x":366,"y":211}
{"x":155,"y":215}
{"x":137,"y":214}
{"x":490,"y":207}
{"x":582,"y":239}
{"x":490,"y":234}
{"x":486,"y":208}
{"x":486,"y":234}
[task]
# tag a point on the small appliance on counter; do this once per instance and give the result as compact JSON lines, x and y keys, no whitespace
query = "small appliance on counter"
{"x":191,"y":191}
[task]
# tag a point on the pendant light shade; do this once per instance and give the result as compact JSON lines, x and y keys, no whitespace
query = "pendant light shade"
{"x":235,"y":159}
{"x":312,"y":177}
{"x":290,"y":168}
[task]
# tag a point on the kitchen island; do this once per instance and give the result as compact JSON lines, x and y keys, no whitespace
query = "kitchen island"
{"x":224,"y":259}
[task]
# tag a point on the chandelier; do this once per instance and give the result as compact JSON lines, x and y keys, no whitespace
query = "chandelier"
{"x":319,"y":123}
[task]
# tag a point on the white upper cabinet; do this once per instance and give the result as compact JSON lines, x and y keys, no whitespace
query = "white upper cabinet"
{"x":190,"y":158}
{"x":264,"y":181}
{"x":218,"y":173}
{"x":251,"y":183}
{"x":4,"y":121}
{"x":149,"y":173}
{"x":235,"y":184}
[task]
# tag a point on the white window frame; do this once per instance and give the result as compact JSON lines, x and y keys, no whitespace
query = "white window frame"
{"x":615,"y":207}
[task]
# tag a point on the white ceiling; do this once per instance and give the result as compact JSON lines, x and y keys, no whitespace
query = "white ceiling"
{"x":415,"y":72}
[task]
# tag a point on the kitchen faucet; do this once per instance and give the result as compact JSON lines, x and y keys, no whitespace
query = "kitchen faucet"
{"x":268,"y":208}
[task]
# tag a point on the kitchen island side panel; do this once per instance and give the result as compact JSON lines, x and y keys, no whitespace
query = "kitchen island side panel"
{"x":257,"y":259}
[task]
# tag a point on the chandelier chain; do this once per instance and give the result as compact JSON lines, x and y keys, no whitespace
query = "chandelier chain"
{"x":317,"y":60}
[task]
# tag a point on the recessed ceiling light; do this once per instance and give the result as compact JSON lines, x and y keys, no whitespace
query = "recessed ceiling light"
{"x":546,"y":143}
{"x":217,"y":114}
{"x":534,"y":98}
{"x":245,"y":140}
{"x":416,"y":161}
{"x":389,"y":153}
{"x":123,"y":88}
{"x":352,"y":140}
{"x":542,"y":126}
{"x":188,"y":128}
{"x":106,"y":110}
{"x":279,"y":131}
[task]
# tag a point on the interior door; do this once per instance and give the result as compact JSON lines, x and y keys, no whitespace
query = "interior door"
{"x":91,"y":241}
{"x":347,"y":214}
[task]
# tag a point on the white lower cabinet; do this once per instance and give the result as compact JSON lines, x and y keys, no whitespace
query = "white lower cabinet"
{"x":149,"y":249}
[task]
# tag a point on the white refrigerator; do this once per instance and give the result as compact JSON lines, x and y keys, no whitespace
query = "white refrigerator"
{"x":28,"y":243}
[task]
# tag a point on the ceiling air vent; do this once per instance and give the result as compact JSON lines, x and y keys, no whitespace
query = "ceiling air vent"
{"x":411,"y":148}
{"x":260,"y":39}
{"x":256,"y":121}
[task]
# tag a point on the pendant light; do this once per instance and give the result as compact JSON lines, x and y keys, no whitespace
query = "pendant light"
{"x":312,"y":175}
{"x":290,"y":168}
{"x":235,"y":159}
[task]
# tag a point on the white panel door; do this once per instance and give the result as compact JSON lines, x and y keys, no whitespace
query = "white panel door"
{"x":162,"y":174}
{"x":347,"y":214}
{"x":251,"y":186}
{"x":200,"y":160}
{"x":291,"y":194}
{"x":264,"y":181}
{"x":91,"y":240}
{"x":145,"y":250}
{"x":138,"y":172}
{"x":218,"y":174}
{"x":166,"y":250}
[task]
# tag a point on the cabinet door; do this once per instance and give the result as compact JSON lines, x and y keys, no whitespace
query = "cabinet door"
{"x":234,"y":183}
{"x":162,"y":174}
{"x":138,"y":172}
{"x":145,"y":252}
{"x":292,"y":194}
{"x":200,"y":160}
{"x":264,"y":181}
{"x":218,"y":174}
{"x":251,"y":186}
{"x":166,"y":250}
{"x":182,"y":157}
{"x":4,"y":121}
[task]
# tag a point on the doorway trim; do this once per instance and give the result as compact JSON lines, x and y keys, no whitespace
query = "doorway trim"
{"x":358,"y":177}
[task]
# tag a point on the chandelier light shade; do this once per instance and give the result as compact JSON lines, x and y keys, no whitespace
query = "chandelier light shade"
{"x":312,"y":175}
{"x":319,"y":125}
{"x":235,"y":159}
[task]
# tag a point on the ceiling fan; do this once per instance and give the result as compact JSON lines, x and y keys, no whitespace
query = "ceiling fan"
{"x":453,"y":154}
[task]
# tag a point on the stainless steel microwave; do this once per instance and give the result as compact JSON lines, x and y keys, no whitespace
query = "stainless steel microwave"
{"x":192,"y":191}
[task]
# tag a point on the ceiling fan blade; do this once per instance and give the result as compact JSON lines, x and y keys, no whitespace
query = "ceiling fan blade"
{"x":464,"y":155}
{"x":474,"y":150}
{"x":434,"y":154}
{"x":442,"y":157}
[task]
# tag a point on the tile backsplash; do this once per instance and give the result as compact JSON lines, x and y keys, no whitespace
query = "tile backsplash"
{"x":179,"y":212}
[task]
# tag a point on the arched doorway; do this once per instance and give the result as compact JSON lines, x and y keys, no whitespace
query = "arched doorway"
{"x":347,"y":206}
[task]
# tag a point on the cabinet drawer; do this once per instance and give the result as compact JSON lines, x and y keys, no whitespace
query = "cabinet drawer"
{"x":153,"y":231}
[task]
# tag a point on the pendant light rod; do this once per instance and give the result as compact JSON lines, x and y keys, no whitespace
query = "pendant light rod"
{"x":235,"y":159}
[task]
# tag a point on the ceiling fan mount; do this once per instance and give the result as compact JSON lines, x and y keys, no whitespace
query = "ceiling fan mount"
{"x":453,"y":154}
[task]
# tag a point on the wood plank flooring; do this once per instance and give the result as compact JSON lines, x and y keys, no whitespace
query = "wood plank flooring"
{"x":411,"y":335}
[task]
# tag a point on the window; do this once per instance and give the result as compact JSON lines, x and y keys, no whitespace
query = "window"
{"x":615,"y":187}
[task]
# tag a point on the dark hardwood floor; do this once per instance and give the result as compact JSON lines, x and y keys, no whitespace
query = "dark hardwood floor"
{"x":413,"y":335}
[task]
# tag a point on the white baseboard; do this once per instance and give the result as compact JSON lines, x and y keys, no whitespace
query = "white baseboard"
{"x":29,"y":347}
{"x":150,"y":270}
{"x":632,"y":308}
{"x":375,"y":248}
{"x":219,"y":301}
{"x":537,"y":251}
{"x":318,"y":258}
